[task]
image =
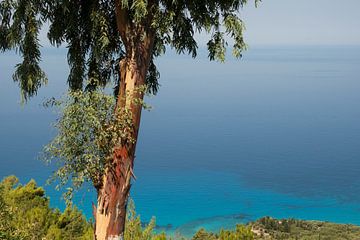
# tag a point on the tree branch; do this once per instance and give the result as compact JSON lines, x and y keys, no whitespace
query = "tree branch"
{"x":123,"y":22}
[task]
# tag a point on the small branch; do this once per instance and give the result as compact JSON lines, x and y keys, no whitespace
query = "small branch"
{"x":123,"y":21}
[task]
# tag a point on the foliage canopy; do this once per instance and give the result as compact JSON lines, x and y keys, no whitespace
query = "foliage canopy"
{"x":89,"y":30}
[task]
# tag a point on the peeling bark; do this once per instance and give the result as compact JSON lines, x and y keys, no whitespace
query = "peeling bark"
{"x":111,"y":209}
{"x":112,"y":198}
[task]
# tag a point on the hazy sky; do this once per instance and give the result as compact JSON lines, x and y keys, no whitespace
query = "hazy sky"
{"x":297,"y":22}
{"x":306,"y":22}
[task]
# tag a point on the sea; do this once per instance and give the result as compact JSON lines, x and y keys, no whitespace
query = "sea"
{"x":275,"y":133}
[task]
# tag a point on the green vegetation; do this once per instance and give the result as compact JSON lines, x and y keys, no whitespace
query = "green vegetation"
{"x":292,"y":229}
{"x":241,"y":232}
{"x":25,"y":214}
{"x":268,"y":228}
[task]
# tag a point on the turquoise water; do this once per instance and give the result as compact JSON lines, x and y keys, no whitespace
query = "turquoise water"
{"x":276,"y":133}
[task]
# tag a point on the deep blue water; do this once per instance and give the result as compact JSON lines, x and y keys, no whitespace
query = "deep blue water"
{"x":276,"y":133}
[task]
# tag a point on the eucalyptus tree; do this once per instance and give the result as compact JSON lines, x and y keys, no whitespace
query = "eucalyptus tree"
{"x":114,"y":40}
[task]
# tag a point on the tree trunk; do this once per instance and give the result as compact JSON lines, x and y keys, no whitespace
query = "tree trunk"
{"x":138,"y":40}
{"x":113,"y":194}
{"x":111,"y":209}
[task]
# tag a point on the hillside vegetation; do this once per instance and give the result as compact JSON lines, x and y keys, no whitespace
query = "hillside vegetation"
{"x":25,"y":214}
{"x":269,"y":228}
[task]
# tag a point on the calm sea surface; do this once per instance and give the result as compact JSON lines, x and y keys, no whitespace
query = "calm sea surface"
{"x":276,"y":133}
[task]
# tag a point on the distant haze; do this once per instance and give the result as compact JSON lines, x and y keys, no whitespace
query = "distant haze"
{"x":305,"y":22}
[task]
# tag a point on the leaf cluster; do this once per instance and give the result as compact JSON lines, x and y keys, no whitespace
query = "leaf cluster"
{"x":88,"y":130}
{"x":176,"y":22}
{"x":20,"y":23}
